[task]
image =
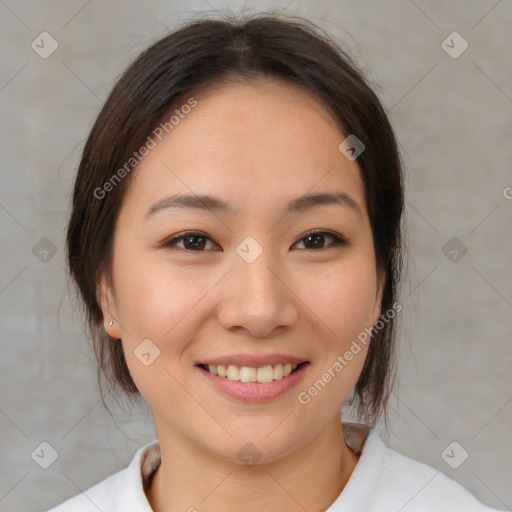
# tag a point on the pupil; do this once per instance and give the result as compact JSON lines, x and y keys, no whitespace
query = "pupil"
{"x":196,"y":245}
{"x":317,"y":239}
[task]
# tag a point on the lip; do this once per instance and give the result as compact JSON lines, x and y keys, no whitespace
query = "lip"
{"x":256,"y":391}
{"x":253,"y":361}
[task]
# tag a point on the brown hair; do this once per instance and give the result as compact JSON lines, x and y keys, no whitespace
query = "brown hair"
{"x":191,"y":58}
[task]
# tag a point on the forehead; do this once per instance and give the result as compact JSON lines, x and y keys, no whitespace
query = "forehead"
{"x":253,"y":144}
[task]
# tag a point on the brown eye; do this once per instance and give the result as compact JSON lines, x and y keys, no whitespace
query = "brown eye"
{"x":192,"y":241}
{"x":198,"y":242}
{"x":317,"y":240}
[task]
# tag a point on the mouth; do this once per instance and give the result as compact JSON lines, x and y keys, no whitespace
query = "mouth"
{"x":259,"y":383}
{"x":261,"y":375}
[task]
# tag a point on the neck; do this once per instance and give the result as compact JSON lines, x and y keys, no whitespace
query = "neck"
{"x":310,"y":479}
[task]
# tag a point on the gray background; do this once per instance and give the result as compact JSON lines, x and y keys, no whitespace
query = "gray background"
{"x":453,"y":120}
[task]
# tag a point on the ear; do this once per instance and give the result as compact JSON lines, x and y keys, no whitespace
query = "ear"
{"x":106,"y":298}
{"x":381,"y":281}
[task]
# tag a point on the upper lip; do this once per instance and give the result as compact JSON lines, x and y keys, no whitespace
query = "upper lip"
{"x":253,"y":361}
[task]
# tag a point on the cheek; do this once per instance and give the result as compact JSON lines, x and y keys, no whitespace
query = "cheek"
{"x":343,"y":299}
{"x":158,"y":303}
{"x":152,"y":294}
{"x":341,"y":303}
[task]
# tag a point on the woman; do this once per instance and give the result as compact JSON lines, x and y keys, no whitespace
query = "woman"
{"x":235,"y":238}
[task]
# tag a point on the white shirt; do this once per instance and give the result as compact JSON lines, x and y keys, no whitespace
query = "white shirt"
{"x":383,"y":480}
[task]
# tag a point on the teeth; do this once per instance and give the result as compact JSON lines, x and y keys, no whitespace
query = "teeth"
{"x":248,"y":374}
{"x":265,"y":374}
{"x":278,"y":371}
{"x":233,"y":372}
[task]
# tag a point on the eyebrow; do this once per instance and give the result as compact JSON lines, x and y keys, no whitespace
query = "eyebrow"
{"x":209,"y":203}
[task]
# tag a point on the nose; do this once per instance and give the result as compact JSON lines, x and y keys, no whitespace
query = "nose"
{"x":258,"y":300}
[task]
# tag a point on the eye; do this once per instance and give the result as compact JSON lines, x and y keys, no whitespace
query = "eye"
{"x":316,"y":239}
{"x":198,"y":241}
{"x":192,"y":240}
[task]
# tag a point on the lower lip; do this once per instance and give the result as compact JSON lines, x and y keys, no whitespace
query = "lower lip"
{"x":255,"y":391}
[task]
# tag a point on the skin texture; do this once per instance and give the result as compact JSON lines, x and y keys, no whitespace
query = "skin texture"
{"x":256,"y":146}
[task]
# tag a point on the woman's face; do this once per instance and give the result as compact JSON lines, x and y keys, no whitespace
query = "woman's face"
{"x":249,"y":288}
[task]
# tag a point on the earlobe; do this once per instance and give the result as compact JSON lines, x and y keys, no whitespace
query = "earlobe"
{"x":108,"y":308}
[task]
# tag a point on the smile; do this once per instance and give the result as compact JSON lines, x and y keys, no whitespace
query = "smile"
{"x":262,"y":375}
{"x":251,"y":383}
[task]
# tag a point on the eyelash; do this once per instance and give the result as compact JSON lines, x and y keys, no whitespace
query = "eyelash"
{"x":339,"y":240}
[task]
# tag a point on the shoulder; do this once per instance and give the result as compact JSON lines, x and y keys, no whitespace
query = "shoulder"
{"x":122,"y":491}
{"x":384,"y":479}
{"x":100,"y":496}
{"x":416,"y":486}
